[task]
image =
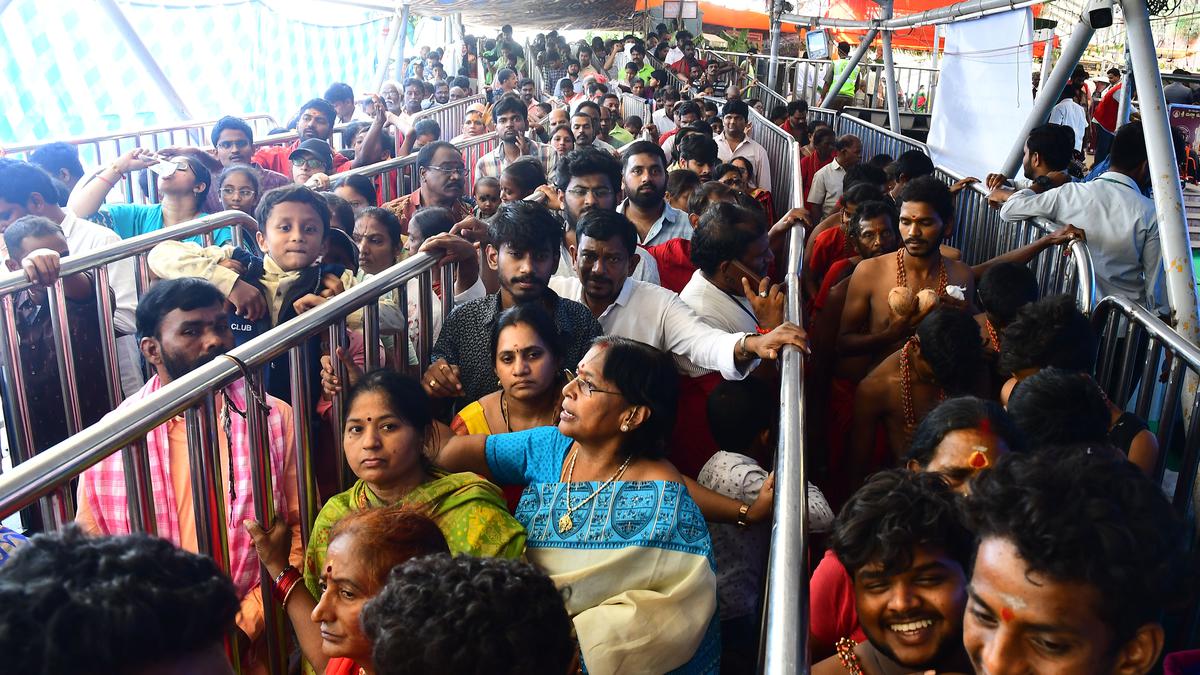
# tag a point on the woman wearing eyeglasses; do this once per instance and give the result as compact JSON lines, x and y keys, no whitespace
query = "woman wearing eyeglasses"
{"x":609,"y":519}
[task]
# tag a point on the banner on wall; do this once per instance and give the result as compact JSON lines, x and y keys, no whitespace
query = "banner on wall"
{"x":985,"y":92}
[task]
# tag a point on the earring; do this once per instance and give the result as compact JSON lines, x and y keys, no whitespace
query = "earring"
{"x":625,"y":426}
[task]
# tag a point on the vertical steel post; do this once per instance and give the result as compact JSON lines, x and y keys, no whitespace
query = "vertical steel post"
{"x":855,"y":58}
{"x":401,"y":38}
{"x":64,"y":355}
{"x":776,"y":9}
{"x":1126,"y":102}
{"x":1049,"y":92}
{"x":306,"y":489}
{"x":386,"y":52}
{"x":258,"y":420}
{"x":889,"y":69}
{"x":108,"y":340}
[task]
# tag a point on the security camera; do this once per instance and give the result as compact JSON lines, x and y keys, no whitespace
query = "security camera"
{"x":1099,"y":13}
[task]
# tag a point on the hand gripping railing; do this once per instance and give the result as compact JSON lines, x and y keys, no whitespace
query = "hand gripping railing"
{"x":194,"y":394}
{"x":980,"y":234}
{"x":876,"y":139}
{"x":785,"y":621}
{"x":17,"y":412}
{"x":450,"y":116}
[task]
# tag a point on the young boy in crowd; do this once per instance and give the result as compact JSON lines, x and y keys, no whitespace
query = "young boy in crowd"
{"x":487,"y":197}
{"x":741,"y":417}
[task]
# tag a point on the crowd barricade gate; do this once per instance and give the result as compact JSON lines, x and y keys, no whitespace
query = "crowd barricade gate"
{"x":450,"y":116}
{"x":636,"y":105}
{"x":876,"y":139}
{"x":17,"y":413}
{"x":825,"y":115}
{"x":783,"y":152}
{"x":51,"y":471}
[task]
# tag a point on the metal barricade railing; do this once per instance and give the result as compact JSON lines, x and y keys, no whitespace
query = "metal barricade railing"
{"x":786,"y":599}
{"x":636,"y":105}
{"x":876,"y":139}
{"x":783,"y":152}
{"x":911,"y":82}
{"x":680,"y":83}
{"x":397,"y":177}
{"x":17,"y":411}
{"x":472,"y":149}
{"x":450,"y":116}
{"x":194,"y":394}
{"x":825,"y":115}
{"x":980,"y":234}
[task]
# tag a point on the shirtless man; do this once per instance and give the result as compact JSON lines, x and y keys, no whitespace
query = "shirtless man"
{"x":943,"y":359}
{"x":868,"y":326}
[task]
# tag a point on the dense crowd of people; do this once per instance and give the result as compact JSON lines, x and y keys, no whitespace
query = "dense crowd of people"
{"x":580,"y":474}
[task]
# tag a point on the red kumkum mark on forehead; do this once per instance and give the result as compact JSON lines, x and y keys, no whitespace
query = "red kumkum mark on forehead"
{"x":1006,"y":614}
{"x":978,"y":460}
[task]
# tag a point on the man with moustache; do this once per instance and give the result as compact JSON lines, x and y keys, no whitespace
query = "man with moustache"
{"x":442,"y":172}
{"x":512,"y":121}
{"x":903,"y":542}
{"x":316,"y":121}
{"x":644,"y":178}
{"x":183,"y":324}
{"x":868,"y":326}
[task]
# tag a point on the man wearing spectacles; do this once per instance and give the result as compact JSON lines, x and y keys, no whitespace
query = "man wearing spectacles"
{"x":512,"y":121}
{"x":443,"y":178}
{"x":233,"y":141}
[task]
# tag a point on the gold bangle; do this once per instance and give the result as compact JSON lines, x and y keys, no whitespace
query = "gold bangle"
{"x":742,"y":513}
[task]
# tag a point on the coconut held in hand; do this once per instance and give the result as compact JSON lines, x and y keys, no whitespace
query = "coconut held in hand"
{"x":902,"y":301}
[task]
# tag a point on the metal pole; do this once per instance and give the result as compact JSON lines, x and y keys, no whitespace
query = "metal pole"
{"x":840,"y":81}
{"x":1164,"y":172}
{"x":1049,"y":92}
{"x":401,"y":38}
{"x":776,"y":10}
{"x":1047,"y":62}
{"x":145,"y":57}
{"x":937,"y":34}
{"x":387,"y":50}
{"x":298,"y":360}
{"x":1126,"y":102}
{"x":889,"y":69}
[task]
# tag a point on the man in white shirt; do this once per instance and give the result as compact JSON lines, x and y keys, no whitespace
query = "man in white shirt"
{"x":827,"y":182}
{"x":26,"y":189}
{"x":735,"y":143}
{"x":644,"y":179}
{"x":1120,"y":223}
{"x":1044,"y":164}
{"x":603,"y":258}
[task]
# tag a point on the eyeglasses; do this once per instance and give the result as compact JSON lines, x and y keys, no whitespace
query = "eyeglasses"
{"x":308,"y":163}
{"x":598,"y":193}
{"x":587,"y":388}
{"x":244,"y":193}
{"x":458,"y":169}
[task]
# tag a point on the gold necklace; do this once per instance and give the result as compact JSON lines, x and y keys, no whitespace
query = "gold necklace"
{"x":565,"y":523}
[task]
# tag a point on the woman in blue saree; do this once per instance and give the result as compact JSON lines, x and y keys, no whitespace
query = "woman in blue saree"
{"x":609,"y":520}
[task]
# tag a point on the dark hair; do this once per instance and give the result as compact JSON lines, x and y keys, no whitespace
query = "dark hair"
{"x":427,"y":126}
{"x":339,"y":91}
{"x":930,"y":190}
{"x":956,"y":414}
{"x":862,"y":193}
{"x":1049,"y":332}
{"x":425,"y":155}
{"x":360,"y":184}
{"x":723,"y":168}
{"x":413,"y":82}
{"x":689,"y":108}
{"x":412,"y":632}
{"x":1060,"y":407}
{"x":231,"y":123}
{"x":70,"y":603}
{"x":508,"y":104}
{"x":951,"y":345}
{"x":536,"y":317}
{"x":1084,"y":518}
{"x":739,"y":411}
{"x":736,"y":108}
{"x":504,"y":74}
{"x":28,"y":226}
{"x":389,"y":220}
{"x":58,"y":156}
{"x":602,"y":225}
{"x":527,"y":172}
{"x":642,"y":148}
{"x":863,"y":173}
{"x":589,"y":105}
{"x":342,"y":214}
{"x":722,"y":234}
{"x":1128,"y":147}
{"x":1054,"y":142}
{"x":820,"y":134}
{"x":351,"y":130}
{"x":587,"y":161}
{"x":244,"y":169}
{"x":914,"y":164}
{"x":525,"y":226}
{"x":487,"y":181}
{"x":1005,"y":288}
{"x":704,"y":194}
{"x":682,"y":180}
{"x":881,"y":161}
{"x":431,"y":221}
{"x":388,"y":536}
{"x":746,"y":166}
{"x":524,"y":81}
{"x":19,"y":180}
{"x":895,"y":512}
{"x":406,"y":399}
{"x":1113,"y":71}
{"x":200,"y":170}
{"x":291,"y":193}
{"x":340,"y":241}
{"x":168,"y":295}
{"x":698,"y":148}
{"x":645,"y":376}
{"x":871,"y":209}
{"x":797,"y":106}
{"x":322,"y":106}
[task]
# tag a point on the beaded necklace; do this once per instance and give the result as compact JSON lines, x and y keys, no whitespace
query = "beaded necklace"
{"x":992,"y":334}
{"x":845,"y":653}
{"x":906,"y":396}
{"x":902,"y":274}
